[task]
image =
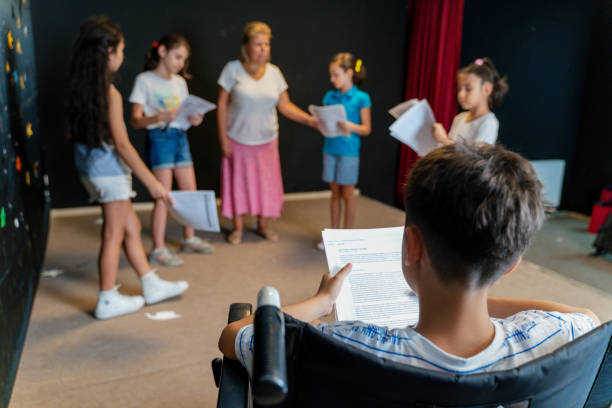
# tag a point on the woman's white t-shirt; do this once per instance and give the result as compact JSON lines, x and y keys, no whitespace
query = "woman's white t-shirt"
{"x":251,"y":115}
{"x":483,"y":129}
{"x":157,"y":94}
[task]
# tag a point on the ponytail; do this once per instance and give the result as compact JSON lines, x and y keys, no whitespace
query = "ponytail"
{"x":486,"y":71}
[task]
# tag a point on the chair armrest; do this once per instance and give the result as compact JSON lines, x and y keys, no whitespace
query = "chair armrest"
{"x":239,"y":311}
{"x":231,"y":378}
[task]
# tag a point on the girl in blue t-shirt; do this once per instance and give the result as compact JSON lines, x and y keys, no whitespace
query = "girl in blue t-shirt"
{"x":341,"y":154}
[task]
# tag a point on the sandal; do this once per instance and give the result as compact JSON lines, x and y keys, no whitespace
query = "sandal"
{"x":235,"y":237}
{"x":267,"y":234}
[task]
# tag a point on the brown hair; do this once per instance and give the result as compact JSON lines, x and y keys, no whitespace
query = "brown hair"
{"x":251,"y":30}
{"x":346,"y":61}
{"x":170,"y":42}
{"x":477,"y":207}
{"x":485,"y":70}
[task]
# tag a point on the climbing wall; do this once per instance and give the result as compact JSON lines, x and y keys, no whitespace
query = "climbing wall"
{"x":24,"y":194}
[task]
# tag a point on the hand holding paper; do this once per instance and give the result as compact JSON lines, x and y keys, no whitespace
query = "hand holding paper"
{"x":331,"y":285}
{"x":192,"y":105}
{"x":375,"y":291}
{"x":195,"y":120}
{"x":414,"y":125}
{"x":329,"y":118}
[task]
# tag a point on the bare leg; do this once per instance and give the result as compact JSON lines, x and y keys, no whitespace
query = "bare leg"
{"x":349,"y":205}
{"x":132,"y":244}
{"x":186,"y":181}
{"x":238,"y":221}
{"x":160,"y":212}
{"x":262,"y":223}
{"x":235,"y":237}
{"x":264,"y":231}
{"x":335,"y":205}
{"x":113,"y":232}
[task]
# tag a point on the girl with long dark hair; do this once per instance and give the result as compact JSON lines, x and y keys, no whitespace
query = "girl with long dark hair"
{"x":105,"y":158}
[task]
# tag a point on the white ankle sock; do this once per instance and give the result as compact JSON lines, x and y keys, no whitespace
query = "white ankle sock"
{"x":155,"y":289}
{"x":111,"y":303}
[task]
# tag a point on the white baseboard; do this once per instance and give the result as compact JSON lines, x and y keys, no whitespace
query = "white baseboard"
{"x":148,"y":206}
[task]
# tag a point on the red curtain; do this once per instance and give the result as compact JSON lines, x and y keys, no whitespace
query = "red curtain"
{"x":433,"y":60}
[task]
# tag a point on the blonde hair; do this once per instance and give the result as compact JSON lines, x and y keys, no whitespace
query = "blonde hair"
{"x":251,"y":30}
{"x":346,"y":61}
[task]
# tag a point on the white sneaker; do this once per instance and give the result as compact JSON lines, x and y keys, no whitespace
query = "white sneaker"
{"x":155,"y":289}
{"x":197,"y":244}
{"x":164,"y":257}
{"x":111,"y":303}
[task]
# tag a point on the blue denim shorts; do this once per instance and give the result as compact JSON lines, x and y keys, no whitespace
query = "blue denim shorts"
{"x":168,"y":148}
{"x":343,"y":170}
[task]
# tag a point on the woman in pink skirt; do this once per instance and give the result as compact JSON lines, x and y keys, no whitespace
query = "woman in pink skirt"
{"x":250,"y":91}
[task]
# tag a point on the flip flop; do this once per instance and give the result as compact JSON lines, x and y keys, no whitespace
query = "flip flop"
{"x":235,"y":237}
{"x":267,"y":234}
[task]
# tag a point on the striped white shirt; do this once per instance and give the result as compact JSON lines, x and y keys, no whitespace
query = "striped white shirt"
{"x":518,"y":339}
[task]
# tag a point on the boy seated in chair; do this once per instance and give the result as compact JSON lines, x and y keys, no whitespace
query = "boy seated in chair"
{"x":471,"y":212}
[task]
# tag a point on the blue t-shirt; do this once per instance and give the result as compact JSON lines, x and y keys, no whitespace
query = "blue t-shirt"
{"x":353,"y":101}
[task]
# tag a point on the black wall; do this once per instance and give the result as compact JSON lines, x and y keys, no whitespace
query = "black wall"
{"x":24,"y":202}
{"x":557,"y":56}
{"x":306,"y":36}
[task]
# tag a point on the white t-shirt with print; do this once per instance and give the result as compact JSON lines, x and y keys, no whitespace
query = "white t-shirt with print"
{"x":157,"y":94}
{"x":251,"y":116}
{"x":484,"y":129}
{"x":518,"y":339}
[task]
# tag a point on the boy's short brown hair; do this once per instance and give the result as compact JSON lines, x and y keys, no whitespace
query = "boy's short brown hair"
{"x":477,"y":207}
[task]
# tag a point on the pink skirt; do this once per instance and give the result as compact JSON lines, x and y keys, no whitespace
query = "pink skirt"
{"x":251,"y":181}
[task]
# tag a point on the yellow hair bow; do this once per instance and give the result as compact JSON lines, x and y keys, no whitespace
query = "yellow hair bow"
{"x":358,"y":65}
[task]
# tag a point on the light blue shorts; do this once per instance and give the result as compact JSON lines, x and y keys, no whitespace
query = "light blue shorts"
{"x":107,"y":189}
{"x":168,"y":148}
{"x":343,"y":170}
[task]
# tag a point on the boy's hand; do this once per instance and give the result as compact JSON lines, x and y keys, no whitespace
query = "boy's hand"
{"x":195,"y":120}
{"x":329,"y":289}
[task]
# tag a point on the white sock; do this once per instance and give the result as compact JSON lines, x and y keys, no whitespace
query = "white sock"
{"x":155,"y":289}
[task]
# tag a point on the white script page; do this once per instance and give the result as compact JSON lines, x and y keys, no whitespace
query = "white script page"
{"x":375,"y":291}
{"x":414,"y":126}
{"x":328,"y":117}
{"x":196,"y":209}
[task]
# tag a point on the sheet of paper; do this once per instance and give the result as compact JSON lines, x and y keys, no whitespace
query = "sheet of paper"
{"x":375,"y":291}
{"x":398,"y":110}
{"x":192,"y":105}
{"x":328,"y":117}
{"x":413,"y":127}
{"x":196,"y":209}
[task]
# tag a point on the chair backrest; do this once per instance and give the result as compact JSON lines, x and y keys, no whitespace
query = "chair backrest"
{"x":324,"y":372}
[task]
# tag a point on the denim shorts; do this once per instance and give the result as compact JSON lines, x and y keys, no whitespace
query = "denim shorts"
{"x":168,"y":148}
{"x":343,"y":170}
{"x":109,"y":188}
